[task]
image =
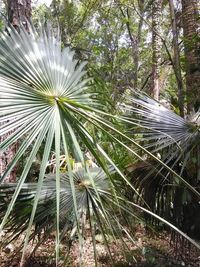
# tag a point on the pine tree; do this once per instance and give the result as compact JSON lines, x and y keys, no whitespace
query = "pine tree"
{"x":192,"y":52}
{"x":19,"y":14}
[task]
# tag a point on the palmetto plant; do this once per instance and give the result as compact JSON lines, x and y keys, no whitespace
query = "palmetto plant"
{"x":92,"y":192}
{"x":177,"y":141}
{"x":45,"y":101}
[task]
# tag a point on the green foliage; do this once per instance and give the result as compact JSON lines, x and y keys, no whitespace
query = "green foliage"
{"x":54,"y":110}
{"x":176,"y":141}
{"x":45,"y":102}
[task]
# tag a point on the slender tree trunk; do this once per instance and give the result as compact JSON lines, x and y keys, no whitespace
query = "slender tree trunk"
{"x":156,"y":47}
{"x":134,"y":39}
{"x":19,"y":13}
{"x":177,"y":65}
{"x":139,"y":33}
{"x":192,"y":53}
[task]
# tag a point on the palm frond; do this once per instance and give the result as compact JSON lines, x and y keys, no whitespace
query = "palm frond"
{"x":47,"y":197}
{"x":176,"y":140}
{"x":94,"y":199}
{"x":160,"y":129}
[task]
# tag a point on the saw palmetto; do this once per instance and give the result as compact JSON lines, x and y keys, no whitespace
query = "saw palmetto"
{"x":90,"y":189}
{"x":177,"y":142}
{"x":47,"y":101}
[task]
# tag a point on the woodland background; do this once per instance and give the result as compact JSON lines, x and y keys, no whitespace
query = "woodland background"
{"x":150,"y":48}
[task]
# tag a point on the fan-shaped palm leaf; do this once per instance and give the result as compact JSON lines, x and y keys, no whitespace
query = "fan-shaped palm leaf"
{"x":177,"y":141}
{"x":161,"y":128}
{"x":46,"y":209}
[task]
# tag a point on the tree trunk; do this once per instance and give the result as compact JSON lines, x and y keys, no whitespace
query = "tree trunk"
{"x":135,"y":39}
{"x":139,"y":33}
{"x":177,"y":65}
{"x":192,"y":53}
{"x":156,"y":47}
{"x":19,"y":13}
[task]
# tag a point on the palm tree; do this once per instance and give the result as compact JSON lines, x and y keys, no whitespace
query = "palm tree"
{"x":156,"y":47}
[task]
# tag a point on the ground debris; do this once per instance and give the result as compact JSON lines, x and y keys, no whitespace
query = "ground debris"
{"x":149,"y":250}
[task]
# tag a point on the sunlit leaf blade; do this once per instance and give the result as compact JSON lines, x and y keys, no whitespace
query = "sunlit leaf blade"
{"x":39,"y":188}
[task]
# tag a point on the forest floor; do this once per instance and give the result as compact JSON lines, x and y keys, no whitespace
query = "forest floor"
{"x":149,"y":250}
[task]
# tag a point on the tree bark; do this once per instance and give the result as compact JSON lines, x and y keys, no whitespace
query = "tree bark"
{"x":156,"y":47}
{"x":5,"y":159}
{"x":139,"y":33}
{"x":135,"y":39}
{"x":192,"y":53}
{"x":19,"y":13}
{"x":177,"y":65}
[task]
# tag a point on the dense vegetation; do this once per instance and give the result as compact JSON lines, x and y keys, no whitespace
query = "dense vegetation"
{"x":91,"y":150}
